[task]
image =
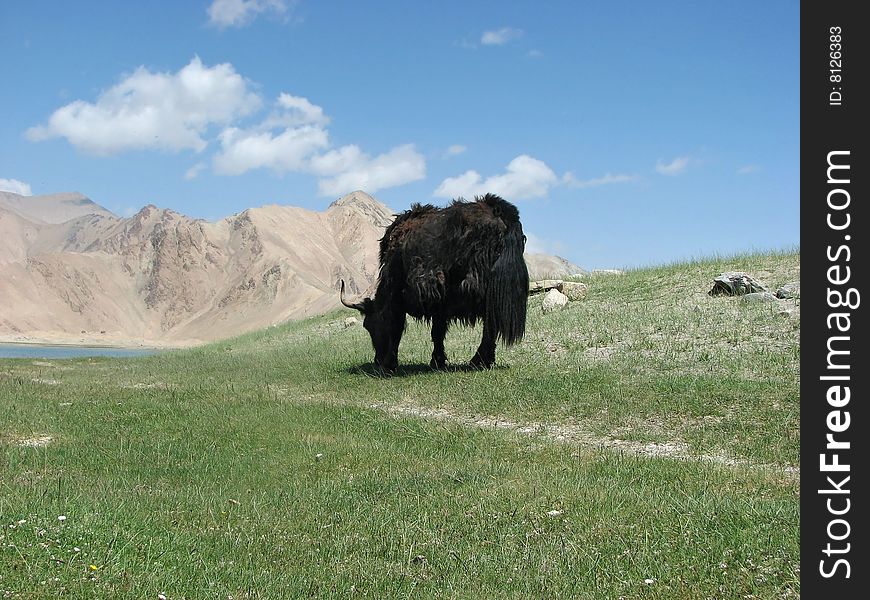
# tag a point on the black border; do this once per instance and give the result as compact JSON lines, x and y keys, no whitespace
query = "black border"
{"x":826,"y":128}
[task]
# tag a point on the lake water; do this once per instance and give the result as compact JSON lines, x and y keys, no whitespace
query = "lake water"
{"x":46,"y":351}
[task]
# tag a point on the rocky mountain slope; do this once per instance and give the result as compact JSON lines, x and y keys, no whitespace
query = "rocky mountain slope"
{"x":547,"y":266}
{"x":160,"y":277}
{"x":73,"y":272}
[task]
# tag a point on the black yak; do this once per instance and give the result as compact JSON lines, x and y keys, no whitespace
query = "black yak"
{"x":460,"y":263}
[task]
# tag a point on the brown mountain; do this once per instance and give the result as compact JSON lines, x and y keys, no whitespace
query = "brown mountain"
{"x":547,"y":266}
{"x":73,"y":272}
{"x":161,"y":278}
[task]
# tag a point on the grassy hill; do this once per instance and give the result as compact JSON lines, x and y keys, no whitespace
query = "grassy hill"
{"x":641,"y":443}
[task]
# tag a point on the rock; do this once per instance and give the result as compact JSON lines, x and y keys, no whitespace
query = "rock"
{"x":759,"y":297}
{"x":544,"y":285}
{"x":554,"y":300}
{"x":735,"y":283}
{"x":350,"y":322}
{"x":574,"y":290}
{"x":789,"y":290}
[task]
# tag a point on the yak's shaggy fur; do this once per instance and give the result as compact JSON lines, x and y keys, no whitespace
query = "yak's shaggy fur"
{"x":460,"y":263}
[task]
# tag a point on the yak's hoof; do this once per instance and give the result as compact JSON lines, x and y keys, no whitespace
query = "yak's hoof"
{"x":481,"y":363}
{"x":439,"y":364}
{"x":389,"y":369}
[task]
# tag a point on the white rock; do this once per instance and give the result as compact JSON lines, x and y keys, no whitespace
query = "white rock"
{"x":789,"y":290}
{"x":544,"y":285}
{"x":350,"y":322}
{"x":574,"y":290}
{"x":554,"y":300}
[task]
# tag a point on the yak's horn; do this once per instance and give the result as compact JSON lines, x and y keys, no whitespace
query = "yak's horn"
{"x":360,"y":306}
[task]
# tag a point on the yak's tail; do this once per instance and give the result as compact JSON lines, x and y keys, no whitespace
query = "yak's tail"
{"x":507,"y":291}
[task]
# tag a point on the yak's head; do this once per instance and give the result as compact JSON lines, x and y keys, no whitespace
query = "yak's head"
{"x":380,"y":329}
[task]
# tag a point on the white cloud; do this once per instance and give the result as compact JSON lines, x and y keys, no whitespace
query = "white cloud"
{"x":336,"y":161}
{"x":525,"y":178}
{"x":15,"y":186}
{"x":675,"y":167}
{"x":148,"y":110}
{"x":570,"y":180}
{"x":501,"y":36}
{"x":238,"y":13}
{"x":298,"y":111}
{"x":351,"y":169}
{"x":179,"y":111}
{"x":285,"y":141}
{"x":454,"y":150}
{"x":194,"y":171}
{"x":294,"y":138}
{"x":747,"y":169}
{"x":243,"y":150}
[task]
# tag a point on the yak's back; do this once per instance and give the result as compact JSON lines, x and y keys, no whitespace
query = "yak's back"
{"x":499,"y":208}
{"x":405,"y":224}
{"x":428,"y":224}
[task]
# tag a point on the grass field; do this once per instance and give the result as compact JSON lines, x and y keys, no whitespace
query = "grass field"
{"x":642,"y":443}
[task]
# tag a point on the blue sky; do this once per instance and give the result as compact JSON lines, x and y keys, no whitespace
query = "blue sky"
{"x":627,"y":133}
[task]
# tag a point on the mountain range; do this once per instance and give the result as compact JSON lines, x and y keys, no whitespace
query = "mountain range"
{"x":73,"y":272}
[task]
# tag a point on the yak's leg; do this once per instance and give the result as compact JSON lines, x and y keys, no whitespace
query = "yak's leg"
{"x":387,"y":342}
{"x":439,"y":330}
{"x":485,"y":356}
{"x":398,"y":329}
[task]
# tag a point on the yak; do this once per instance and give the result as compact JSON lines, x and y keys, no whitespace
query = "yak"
{"x":461,"y":263}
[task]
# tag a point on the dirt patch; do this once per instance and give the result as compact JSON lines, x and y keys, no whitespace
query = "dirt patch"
{"x":36,"y":441}
{"x":574,"y":433}
{"x":599,"y":353}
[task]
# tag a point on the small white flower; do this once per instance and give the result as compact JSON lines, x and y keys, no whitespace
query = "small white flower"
{"x":161,"y":596}
{"x":554,"y":513}
{"x":649,"y":581}
{"x":318,"y":456}
{"x":22,"y":521}
{"x":61,"y":518}
{"x":77,"y":549}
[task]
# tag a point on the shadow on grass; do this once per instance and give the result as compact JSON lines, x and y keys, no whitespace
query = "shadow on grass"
{"x":415,"y":369}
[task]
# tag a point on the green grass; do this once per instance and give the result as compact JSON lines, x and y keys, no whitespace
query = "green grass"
{"x":275,"y":465}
